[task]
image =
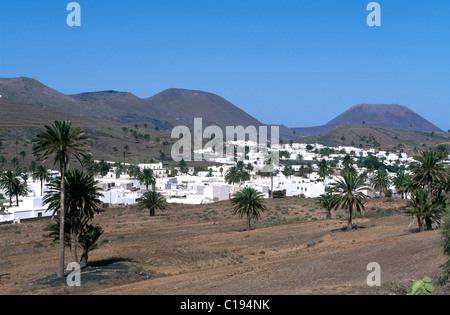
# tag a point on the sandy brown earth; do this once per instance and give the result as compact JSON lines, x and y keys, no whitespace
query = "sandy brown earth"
{"x":203,"y":250}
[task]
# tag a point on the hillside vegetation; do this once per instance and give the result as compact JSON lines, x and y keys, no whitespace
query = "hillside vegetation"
{"x":378,"y":138}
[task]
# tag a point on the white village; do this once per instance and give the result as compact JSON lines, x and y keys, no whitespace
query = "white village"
{"x":298,"y":174}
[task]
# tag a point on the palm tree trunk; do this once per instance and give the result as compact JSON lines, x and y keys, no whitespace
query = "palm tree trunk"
{"x":84,"y":259}
{"x":428,"y":224}
{"x":271,"y":184}
{"x":350,"y":217}
{"x":248,"y":223}
{"x":10,"y":196}
{"x":73,"y":240}
{"x":42,"y":187}
{"x":62,"y":217}
{"x":328,"y":215}
{"x":420,"y":223}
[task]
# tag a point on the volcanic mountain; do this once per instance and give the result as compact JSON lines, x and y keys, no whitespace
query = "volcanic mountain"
{"x":381,"y":115}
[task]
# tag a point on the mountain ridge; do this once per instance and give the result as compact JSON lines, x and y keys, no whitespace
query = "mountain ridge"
{"x":177,"y":106}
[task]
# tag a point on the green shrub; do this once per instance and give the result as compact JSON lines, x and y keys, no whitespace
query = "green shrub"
{"x":423,"y":286}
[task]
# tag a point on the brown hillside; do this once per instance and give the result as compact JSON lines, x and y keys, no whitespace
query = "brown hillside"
{"x":378,"y":137}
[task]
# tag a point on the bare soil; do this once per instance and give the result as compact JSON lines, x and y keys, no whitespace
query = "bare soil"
{"x":204,"y":250}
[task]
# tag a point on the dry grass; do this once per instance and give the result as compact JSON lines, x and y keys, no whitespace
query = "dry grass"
{"x":205,"y":250}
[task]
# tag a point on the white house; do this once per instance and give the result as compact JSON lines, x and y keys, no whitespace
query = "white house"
{"x":157,"y":168}
{"x":30,"y":207}
{"x":300,"y":186}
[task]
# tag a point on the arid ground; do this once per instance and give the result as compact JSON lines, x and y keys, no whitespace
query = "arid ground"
{"x":204,"y":250}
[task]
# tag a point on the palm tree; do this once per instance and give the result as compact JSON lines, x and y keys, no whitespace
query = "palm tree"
{"x":125,"y":152}
{"x":232,"y":176}
{"x":23,"y":154}
{"x":61,"y":141}
{"x":2,"y":161}
{"x":429,"y":169}
{"x":183,"y":166}
{"x":119,"y":170}
{"x":18,"y":188}
{"x":147,"y":177}
{"x":443,"y":151}
{"x":350,"y":194}
{"x":327,"y":201}
{"x":134,"y":171}
{"x":288,"y":171}
{"x":25,"y":178}
{"x":323,"y":168}
{"x":104,"y":167}
{"x":13,"y":185}
{"x":32,"y":167}
{"x":6,"y":183}
{"x":152,"y":201}
{"x":248,"y":202}
{"x":93,"y":168}
{"x":302,"y":171}
{"x":15,"y":162}
{"x":87,"y":239}
{"x":165,"y":144}
{"x":424,"y":208}
{"x":41,"y":173}
{"x":380,"y":181}
{"x":309,"y":169}
{"x":445,"y":227}
{"x":82,"y":199}
{"x":347,"y":161}
{"x":401,"y":182}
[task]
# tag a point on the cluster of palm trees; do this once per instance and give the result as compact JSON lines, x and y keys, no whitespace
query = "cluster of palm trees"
{"x":237,"y":174}
{"x":151,"y":200}
{"x":428,"y":187}
{"x":350,"y":192}
{"x":14,"y":184}
{"x":426,"y":184}
{"x":82,"y":199}
{"x":74,"y":195}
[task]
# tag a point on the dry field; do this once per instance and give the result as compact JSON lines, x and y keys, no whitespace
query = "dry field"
{"x":203,"y":250}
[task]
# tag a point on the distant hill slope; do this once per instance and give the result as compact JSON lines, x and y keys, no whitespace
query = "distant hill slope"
{"x":20,"y":115}
{"x":382,"y":115}
{"x":164,"y":110}
{"x":30,"y":91}
{"x":19,"y":124}
{"x":180,"y":104}
{"x":378,"y":137}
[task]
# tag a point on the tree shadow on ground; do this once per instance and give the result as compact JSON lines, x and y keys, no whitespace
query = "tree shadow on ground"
{"x":94,"y":272}
{"x":106,"y":262}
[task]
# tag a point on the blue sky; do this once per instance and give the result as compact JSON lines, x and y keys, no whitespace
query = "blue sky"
{"x":293,"y":62}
